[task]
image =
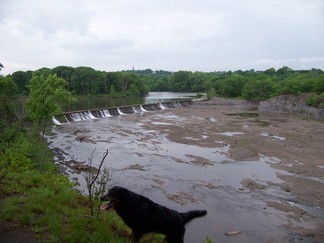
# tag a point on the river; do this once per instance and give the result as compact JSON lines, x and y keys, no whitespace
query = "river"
{"x":181,"y":174}
{"x":88,"y":103}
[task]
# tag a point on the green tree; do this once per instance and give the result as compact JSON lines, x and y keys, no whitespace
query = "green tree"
{"x":284,"y":70}
{"x":84,"y":81}
{"x":124,"y":81}
{"x":197,"y":81}
{"x":9,"y":124}
{"x":231,"y":86}
{"x":43,"y":71}
{"x":270,"y":71}
{"x":319,"y":84}
{"x":21,"y":80}
{"x":7,"y":87}
{"x":65,"y":73}
{"x":45,"y":99}
{"x":133,"y":91}
{"x":112,"y":91}
{"x":258,"y":89}
{"x":140,"y":85}
{"x":180,"y":81}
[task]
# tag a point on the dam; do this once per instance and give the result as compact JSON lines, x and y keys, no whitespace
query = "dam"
{"x":83,"y":115}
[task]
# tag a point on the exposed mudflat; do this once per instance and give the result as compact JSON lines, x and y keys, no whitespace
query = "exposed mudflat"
{"x":260,"y":174}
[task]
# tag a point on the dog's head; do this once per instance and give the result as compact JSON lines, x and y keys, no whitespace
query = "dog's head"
{"x":113,"y":197}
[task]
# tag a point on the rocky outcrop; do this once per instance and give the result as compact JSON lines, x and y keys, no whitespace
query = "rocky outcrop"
{"x":295,"y":104}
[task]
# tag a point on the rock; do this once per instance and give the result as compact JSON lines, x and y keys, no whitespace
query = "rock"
{"x":231,"y":233}
{"x":295,"y":104}
{"x":84,"y":138}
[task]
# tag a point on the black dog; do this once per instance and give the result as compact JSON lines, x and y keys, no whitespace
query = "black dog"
{"x":143,"y":215}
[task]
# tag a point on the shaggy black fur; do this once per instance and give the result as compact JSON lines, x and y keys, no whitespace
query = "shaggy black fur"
{"x":143,"y":215}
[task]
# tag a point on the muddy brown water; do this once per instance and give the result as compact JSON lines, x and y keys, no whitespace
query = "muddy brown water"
{"x":185,"y":175}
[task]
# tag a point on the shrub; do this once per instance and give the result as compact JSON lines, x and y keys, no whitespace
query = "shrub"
{"x":316,"y":100}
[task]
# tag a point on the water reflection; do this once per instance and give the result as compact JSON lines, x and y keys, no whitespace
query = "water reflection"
{"x":88,"y":103}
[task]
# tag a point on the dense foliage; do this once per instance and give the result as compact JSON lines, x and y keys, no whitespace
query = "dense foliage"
{"x":250,"y":84}
{"x":84,"y":81}
{"x":45,"y":99}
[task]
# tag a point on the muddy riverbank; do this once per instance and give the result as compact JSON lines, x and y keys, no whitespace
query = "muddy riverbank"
{"x":297,"y":143}
{"x":257,"y":173}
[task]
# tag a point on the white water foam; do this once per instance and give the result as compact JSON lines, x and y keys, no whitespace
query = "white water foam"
{"x":76,"y":116}
{"x":105,"y":113}
{"x":91,"y":116}
{"x":136,"y":109}
{"x":162,"y":106}
{"x":120,"y":112}
{"x":176,"y":104}
{"x":142,"y":108}
{"x":55,"y":121}
{"x":82,"y":116}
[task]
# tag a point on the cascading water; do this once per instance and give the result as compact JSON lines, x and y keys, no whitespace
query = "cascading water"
{"x":120,"y":112}
{"x":136,"y":109}
{"x":55,"y":121}
{"x":89,"y":114}
{"x":106,"y":113}
{"x":78,"y":116}
{"x":142,"y":109}
{"x":162,"y":106}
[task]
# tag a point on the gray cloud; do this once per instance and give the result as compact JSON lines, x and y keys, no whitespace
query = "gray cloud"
{"x":205,"y":35}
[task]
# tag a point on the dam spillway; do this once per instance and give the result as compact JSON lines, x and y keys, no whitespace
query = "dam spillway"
{"x":83,"y":115}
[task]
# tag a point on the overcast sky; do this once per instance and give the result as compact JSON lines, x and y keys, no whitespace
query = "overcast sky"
{"x":204,"y":35}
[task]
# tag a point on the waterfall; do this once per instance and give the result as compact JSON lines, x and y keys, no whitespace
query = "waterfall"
{"x":176,"y":104}
{"x":90,"y":115}
{"x":142,"y":109}
{"x":115,"y":111}
{"x":55,"y":121}
{"x":106,"y":113}
{"x":82,"y":116}
{"x":76,"y":117}
{"x":162,"y":106}
{"x":120,"y":112}
{"x":135,"y":109}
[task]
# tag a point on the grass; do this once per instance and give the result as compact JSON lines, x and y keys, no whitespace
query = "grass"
{"x":34,"y":194}
{"x":47,"y":203}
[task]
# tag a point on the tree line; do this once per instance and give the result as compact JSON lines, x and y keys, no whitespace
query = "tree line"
{"x":85,"y":81}
{"x":249,"y":84}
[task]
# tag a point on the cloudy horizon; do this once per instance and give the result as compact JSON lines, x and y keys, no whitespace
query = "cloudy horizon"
{"x":207,"y":35}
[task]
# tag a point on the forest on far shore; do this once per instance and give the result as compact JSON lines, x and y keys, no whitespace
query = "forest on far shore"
{"x":249,"y":84}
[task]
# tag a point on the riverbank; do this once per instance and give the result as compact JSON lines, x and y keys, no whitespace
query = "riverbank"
{"x":39,"y":204}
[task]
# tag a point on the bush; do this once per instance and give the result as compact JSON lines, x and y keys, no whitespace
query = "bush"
{"x":316,"y":100}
